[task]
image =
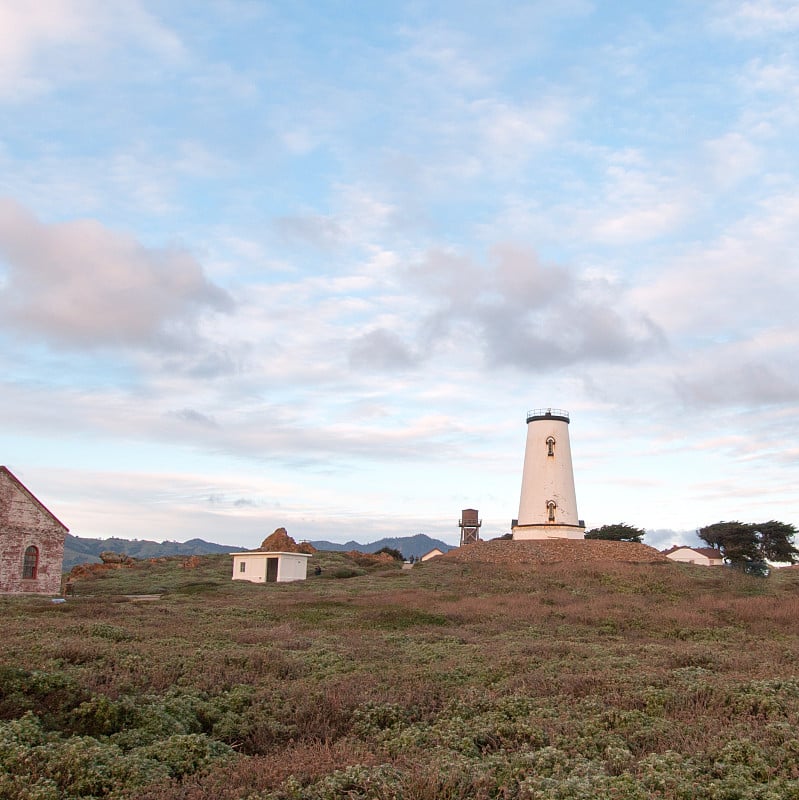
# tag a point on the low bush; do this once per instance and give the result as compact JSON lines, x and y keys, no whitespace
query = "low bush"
{"x":346,"y":572}
{"x":448,"y":681}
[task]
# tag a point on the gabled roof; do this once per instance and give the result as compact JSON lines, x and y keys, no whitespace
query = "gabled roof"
{"x":270,"y":553}
{"x":708,"y":552}
{"x":5,"y":472}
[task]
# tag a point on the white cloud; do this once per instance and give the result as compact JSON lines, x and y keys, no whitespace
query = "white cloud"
{"x":78,"y":284}
{"x":28,"y":28}
{"x":513,"y":132}
{"x":380,"y":349}
{"x":750,"y":18}
{"x":324,"y":232}
{"x":740,"y":282}
{"x":646,"y":169}
{"x":523,"y":313}
{"x":42,"y":43}
{"x":445,"y":54}
{"x":731,"y":158}
{"x":639,"y":203}
{"x":778,"y":76}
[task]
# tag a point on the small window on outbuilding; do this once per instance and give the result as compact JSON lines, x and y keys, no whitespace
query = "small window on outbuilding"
{"x":30,"y":563}
{"x":551,"y":446}
{"x":242,"y":566}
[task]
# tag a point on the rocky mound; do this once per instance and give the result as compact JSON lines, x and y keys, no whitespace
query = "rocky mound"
{"x":553,"y":551}
{"x":281,"y":542}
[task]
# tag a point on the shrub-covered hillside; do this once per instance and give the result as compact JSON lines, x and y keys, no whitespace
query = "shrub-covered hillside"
{"x":450,"y":680}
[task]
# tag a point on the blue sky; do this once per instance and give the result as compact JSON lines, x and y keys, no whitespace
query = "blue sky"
{"x":308,"y":264}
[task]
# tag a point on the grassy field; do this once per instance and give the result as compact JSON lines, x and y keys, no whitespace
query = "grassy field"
{"x":445,"y":681}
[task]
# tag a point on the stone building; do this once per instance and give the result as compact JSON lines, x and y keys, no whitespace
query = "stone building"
{"x":31,"y":540}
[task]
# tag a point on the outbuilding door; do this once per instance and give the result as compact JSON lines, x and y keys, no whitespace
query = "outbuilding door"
{"x":271,"y":570}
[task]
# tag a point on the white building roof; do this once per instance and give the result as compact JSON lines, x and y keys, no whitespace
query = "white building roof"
{"x":269,"y":553}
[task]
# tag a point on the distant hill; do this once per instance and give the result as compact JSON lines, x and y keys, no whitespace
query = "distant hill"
{"x":87,"y":551}
{"x":409,"y":546}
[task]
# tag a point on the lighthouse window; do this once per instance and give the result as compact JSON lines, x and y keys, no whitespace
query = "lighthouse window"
{"x":551,"y":506}
{"x":30,"y":563}
{"x":551,"y":446}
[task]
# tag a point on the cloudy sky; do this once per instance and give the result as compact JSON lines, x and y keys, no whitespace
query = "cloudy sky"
{"x":309,"y":263}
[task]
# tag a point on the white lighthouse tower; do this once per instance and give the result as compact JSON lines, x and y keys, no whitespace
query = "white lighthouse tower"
{"x":548,"y":506}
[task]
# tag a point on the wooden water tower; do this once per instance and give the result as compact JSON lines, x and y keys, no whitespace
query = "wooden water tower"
{"x":548,"y":504}
{"x":470,"y":526}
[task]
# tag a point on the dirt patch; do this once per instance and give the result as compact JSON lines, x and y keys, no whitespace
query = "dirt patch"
{"x":553,"y":551}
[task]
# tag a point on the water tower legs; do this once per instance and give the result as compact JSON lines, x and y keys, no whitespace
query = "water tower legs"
{"x":470,"y":526}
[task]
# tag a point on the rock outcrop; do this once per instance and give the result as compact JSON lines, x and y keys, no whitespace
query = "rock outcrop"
{"x":281,"y":542}
{"x":110,"y":557}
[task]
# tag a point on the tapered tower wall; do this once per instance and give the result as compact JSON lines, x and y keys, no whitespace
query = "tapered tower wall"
{"x":548,"y":504}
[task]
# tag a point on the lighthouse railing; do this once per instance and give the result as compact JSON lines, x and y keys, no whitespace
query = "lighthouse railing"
{"x":542,"y":413}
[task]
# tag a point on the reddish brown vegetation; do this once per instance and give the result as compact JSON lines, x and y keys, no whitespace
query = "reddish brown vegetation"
{"x":552,"y":551}
{"x":83,"y":571}
{"x":575,"y":660}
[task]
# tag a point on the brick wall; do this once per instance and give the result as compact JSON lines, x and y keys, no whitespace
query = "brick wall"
{"x":25,"y":522}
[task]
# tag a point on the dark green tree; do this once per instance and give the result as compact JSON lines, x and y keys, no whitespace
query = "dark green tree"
{"x":617,"y":533}
{"x":734,"y":540}
{"x":742,"y":542}
{"x":775,"y":541}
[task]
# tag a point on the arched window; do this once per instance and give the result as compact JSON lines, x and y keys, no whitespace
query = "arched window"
{"x":551,"y":506}
{"x":551,"y":446}
{"x":30,"y":564}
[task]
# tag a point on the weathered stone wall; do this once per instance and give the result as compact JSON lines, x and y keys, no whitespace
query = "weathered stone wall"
{"x":25,"y":522}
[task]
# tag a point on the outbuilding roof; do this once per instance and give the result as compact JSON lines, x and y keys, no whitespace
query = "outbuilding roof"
{"x":708,"y":552}
{"x":269,"y":553}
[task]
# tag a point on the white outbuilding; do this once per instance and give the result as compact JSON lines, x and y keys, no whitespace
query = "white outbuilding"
{"x":706,"y":556}
{"x":261,"y":566}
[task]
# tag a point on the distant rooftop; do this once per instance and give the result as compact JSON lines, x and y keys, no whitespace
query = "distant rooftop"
{"x":710,"y":552}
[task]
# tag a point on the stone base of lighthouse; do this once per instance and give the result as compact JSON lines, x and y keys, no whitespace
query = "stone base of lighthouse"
{"x":548,"y":532}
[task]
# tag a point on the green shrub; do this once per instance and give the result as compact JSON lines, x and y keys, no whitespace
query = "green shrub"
{"x":51,"y":695}
{"x":185,"y":754}
{"x":113,"y":633}
{"x":399,"y":618}
{"x":347,"y":572}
